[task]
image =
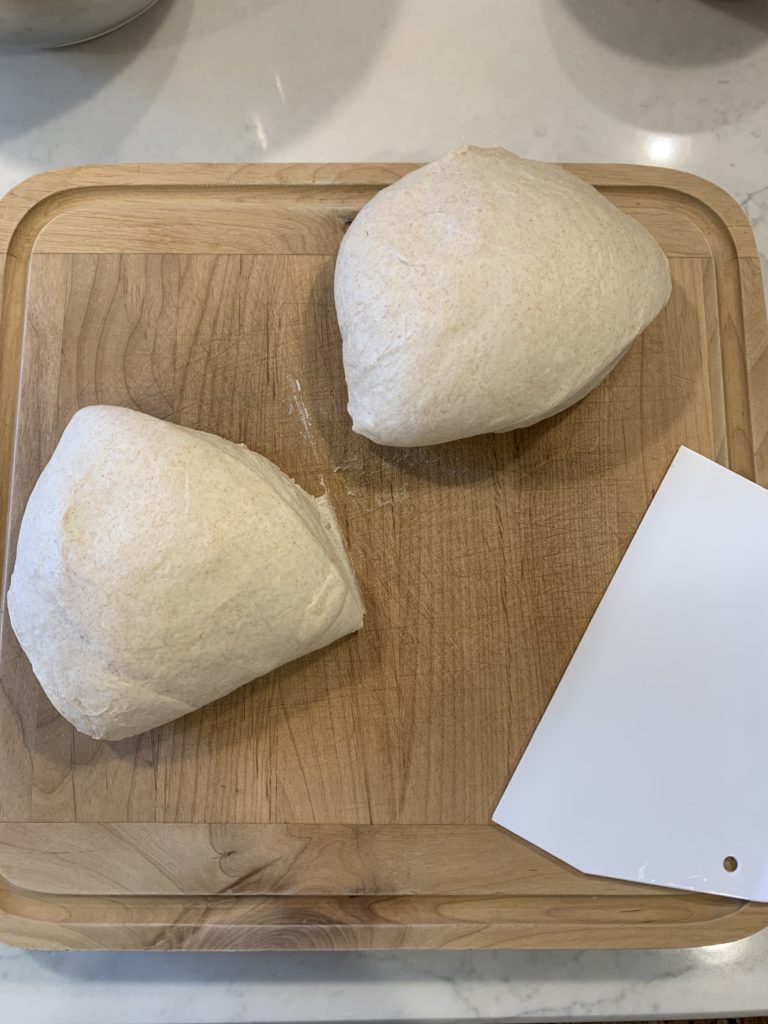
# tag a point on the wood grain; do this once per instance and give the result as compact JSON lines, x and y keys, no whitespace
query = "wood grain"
{"x":344,"y":800}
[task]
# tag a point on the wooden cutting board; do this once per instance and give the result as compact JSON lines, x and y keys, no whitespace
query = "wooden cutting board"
{"x":345,"y":800}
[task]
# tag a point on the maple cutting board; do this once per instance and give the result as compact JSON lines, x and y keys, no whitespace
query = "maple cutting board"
{"x":345,"y":800}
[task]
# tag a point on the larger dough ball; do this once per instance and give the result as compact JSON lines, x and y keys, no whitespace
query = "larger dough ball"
{"x":159,"y":567}
{"x":484,"y":292}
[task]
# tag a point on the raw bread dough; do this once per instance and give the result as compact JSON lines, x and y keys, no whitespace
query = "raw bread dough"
{"x":484,"y":292}
{"x":158,"y":568}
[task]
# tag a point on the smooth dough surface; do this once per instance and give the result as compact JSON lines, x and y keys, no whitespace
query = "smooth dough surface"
{"x":158,"y":568}
{"x":484,"y":292}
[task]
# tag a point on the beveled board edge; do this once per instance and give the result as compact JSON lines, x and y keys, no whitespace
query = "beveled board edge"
{"x":369,"y":922}
{"x":36,"y":920}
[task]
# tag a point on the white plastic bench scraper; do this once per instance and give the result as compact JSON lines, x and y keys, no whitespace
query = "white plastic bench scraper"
{"x":651,"y":762}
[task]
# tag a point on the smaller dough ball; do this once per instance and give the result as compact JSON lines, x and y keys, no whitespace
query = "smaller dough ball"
{"x":158,"y":568}
{"x":484,"y":292}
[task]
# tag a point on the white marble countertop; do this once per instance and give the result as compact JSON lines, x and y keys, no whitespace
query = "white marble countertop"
{"x":680,"y":83}
{"x":191,"y":988}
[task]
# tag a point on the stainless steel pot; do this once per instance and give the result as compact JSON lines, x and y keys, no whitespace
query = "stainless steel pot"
{"x":62,"y":22}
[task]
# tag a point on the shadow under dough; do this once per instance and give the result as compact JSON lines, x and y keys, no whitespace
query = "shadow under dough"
{"x":681,"y":66}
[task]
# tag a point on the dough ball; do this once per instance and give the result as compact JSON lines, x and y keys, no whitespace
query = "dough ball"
{"x":158,"y":568}
{"x":484,"y":292}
